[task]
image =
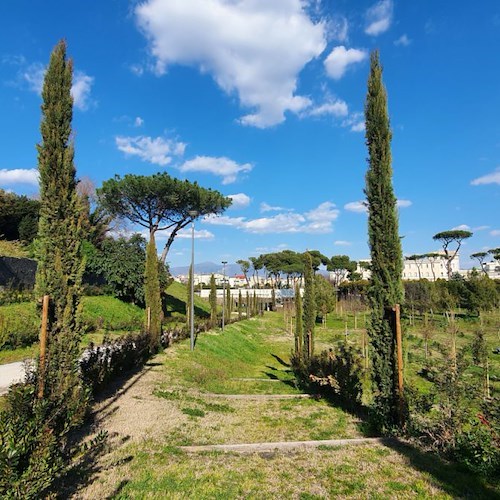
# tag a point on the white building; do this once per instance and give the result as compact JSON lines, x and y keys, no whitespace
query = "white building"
{"x":430,"y":268}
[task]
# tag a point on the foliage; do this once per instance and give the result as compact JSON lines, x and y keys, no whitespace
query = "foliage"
{"x":159,"y":202}
{"x":299,"y":324}
{"x":341,"y":266}
{"x":152,"y":294}
{"x":19,"y":330}
{"x":309,"y":313}
{"x":121,"y":263}
{"x":454,"y":420}
{"x":245,"y":267}
{"x":18,"y":217}
{"x":102,"y":363}
{"x":213,"y":300}
{"x":338,"y":374}
{"x":480,"y":294}
{"x":447,"y":238}
{"x":60,"y":263}
{"x":324,"y":295}
{"x":13,"y":249}
{"x":386,"y":287}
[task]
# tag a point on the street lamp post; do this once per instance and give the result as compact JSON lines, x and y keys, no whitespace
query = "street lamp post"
{"x":193,"y":214}
{"x":224,"y":262}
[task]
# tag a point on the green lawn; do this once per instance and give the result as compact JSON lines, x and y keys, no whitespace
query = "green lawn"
{"x":183,"y":410}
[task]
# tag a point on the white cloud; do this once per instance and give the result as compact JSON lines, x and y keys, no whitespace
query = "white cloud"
{"x":18,"y":176}
{"x":340,"y":58}
{"x":404,"y":203}
{"x":138,"y":122}
{"x":495,"y":232}
{"x":337,"y":28}
{"x":265,"y":207}
{"x":225,"y":167}
{"x":157,"y":150}
{"x":493,"y":178}
{"x":361,"y":206}
{"x":462,"y":227}
{"x":480,"y":228}
{"x":201,"y":234}
{"x":356,"y":206}
{"x":254,"y":48}
{"x":403,"y":41}
{"x":33,"y":75}
{"x":379,"y":17}
{"x":342,"y":243}
{"x":137,"y":69}
{"x":355,"y":122}
{"x":317,"y":221}
{"x":80,"y":90}
{"x":335,"y":108}
{"x":240,"y":200}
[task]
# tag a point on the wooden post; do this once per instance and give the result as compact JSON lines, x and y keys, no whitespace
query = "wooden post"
{"x":399,"y":345}
{"x":43,"y":345}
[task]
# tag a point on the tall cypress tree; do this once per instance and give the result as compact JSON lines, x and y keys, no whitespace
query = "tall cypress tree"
{"x":240,"y":306}
{"x":299,"y":326}
{"x":386,"y":287}
{"x":60,"y":261}
{"x":213,"y":301}
{"x":309,"y":306}
{"x":152,"y":293}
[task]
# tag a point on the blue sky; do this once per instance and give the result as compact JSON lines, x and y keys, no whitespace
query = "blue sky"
{"x":263,"y":100}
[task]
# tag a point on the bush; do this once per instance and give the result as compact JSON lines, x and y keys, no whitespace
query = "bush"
{"x":100,"y":364}
{"x":453,"y":420}
{"x":339,"y":374}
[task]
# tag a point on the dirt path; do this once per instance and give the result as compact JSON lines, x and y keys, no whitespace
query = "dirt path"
{"x":143,"y":413}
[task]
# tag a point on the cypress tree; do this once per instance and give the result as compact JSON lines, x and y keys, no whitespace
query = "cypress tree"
{"x":152,"y":294}
{"x":385,"y":288}
{"x":240,"y":306}
{"x":229,"y":306}
{"x":213,"y":301}
{"x":299,"y":327}
{"x":309,"y":306}
{"x":60,"y":261}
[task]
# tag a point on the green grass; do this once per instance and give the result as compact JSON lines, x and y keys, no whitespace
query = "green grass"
{"x":245,"y":350}
{"x":13,"y":249}
{"x":152,"y":467}
{"x":177,"y":298}
{"x":103,"y":315}
{"x":413,"y":342}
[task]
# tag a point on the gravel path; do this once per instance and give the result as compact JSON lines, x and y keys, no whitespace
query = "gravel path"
{"x":10,"y":373}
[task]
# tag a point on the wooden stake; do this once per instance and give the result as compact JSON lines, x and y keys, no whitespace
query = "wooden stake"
{"x":43,"y":345}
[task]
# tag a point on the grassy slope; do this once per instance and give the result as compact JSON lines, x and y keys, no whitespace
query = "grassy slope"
{"x":104,"y":315}
{"x":151,"y":467}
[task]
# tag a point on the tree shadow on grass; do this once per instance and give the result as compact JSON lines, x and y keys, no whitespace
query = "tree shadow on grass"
{"x":281,"y":361}
{"x":453,"y":478}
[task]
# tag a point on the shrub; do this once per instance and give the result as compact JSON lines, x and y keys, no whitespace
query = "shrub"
{"x":100,"y":364}
{"x":338,"y":374}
